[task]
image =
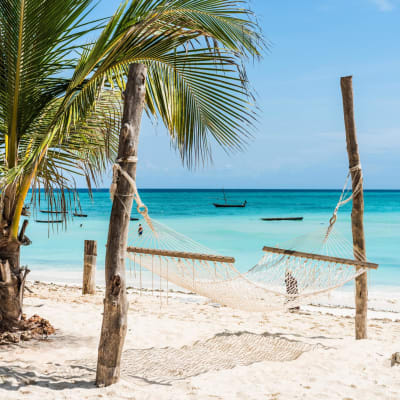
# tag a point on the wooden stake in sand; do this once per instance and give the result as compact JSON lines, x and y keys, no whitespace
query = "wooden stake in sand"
{"x":357,"y":214}
{"x":114,"y":326}
{"x":89,"y":267}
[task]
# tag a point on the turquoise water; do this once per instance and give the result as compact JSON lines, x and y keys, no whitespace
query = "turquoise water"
{"x":234,"y":232}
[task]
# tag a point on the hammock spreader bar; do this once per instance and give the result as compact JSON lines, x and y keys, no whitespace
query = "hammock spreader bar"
{"x":181,"y":254}
{"x":319,"y":257}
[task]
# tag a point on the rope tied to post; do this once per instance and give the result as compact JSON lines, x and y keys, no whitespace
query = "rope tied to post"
{"x":118,"y":171}
{"x":343,"y":199}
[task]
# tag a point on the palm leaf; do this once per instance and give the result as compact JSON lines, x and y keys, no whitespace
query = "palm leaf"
{"x":58,"y":110}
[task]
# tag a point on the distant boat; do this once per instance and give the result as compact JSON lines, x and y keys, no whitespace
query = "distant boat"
{"x":283,"y":219}
{"x":75,"y":214}
{"x":134,"y":219}
{"x":49,"y":221}
{"x":53,"y":212}
{"x":227,"y":205}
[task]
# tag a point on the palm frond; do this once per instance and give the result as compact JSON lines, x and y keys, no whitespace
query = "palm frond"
{"x":199,"y":100}
{"x":58,"y":111}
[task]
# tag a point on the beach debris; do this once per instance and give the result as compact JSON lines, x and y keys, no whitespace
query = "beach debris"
{"x":35,"y":327}
{"x":395,"y":359}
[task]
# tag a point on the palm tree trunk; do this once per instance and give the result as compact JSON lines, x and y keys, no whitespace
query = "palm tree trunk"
{"x":10,"y":285}
{"x":12,"y":276}
{"x":114,"y":326}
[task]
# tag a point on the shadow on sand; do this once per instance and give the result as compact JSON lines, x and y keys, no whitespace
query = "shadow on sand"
{"x":163,"y":366}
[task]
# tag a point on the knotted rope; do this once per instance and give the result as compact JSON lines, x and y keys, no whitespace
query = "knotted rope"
{"x":342,"y":200}
{"x":141,"y":207}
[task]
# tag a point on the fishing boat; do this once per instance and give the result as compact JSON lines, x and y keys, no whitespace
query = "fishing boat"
{"x":49,"y":221}
{"x":53,"y":212}
{"x":227,"y":205}
{"x":80,"y":215}
{"x":283,"y":219}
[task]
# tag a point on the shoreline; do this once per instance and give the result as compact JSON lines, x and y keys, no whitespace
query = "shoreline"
{"x":322,"y":304}
{"x":382,"y":298}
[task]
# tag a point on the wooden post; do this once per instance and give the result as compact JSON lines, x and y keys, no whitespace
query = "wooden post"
{"x":114,"y":326}
{"x":357,"y":214}
{"x":89,"y":267}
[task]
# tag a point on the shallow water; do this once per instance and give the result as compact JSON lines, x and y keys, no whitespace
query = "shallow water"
{"x":235,"y":232}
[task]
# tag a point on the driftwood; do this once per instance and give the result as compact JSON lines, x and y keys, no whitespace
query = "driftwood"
{"x":89,"y":267}
{"x":357,"y":214}
{"x":114,"y":326}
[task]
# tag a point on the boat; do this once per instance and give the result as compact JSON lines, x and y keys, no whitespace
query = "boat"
{"x":75,"y":214}
{"x":134,"y":219}
{"x":231,"y":205}
{"x":227,"y":205}
{"x":283,"y":219}
{"x":53,"y":212}
{"x":49,"y":221}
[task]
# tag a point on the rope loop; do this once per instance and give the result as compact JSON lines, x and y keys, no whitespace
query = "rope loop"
{"x":130,"y":159}
{"x":141,"y":208}
{"x":342,"y":200}
{"x":355,"y":168}
{"x":333,"y":219}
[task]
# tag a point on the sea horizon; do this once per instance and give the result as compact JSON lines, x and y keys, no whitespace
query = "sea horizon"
{"x":105,"y":189}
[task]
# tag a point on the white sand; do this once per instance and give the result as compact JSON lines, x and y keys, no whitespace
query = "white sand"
{"x":194,"y":350}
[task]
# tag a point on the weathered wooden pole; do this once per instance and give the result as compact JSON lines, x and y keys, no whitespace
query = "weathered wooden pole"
{"x":114,"y":326}
{"x":89,"y":267}
{"x":357,"y":214}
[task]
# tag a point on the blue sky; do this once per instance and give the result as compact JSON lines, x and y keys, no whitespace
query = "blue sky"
{"x":300,"y":139}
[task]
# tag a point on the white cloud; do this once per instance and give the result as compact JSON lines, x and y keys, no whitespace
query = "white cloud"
{"x":384,"y":5}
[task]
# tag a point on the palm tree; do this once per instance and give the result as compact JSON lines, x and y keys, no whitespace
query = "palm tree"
{"x":60,"y":95}
{"x":50,"y":107}
{"x":197,"y":85}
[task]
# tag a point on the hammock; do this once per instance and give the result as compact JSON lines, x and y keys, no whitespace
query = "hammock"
{"x":282,"y":279}
{"x":285,"y":277}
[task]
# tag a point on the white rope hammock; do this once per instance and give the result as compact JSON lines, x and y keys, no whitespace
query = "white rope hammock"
{"x":285,"y":277}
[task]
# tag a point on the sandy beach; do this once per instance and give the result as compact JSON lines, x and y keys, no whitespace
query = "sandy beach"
{"x":192,"y":349}
{"x":228,"y":170}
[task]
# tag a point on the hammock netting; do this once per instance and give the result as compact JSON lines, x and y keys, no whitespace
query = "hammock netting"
{"x":277,"y":281}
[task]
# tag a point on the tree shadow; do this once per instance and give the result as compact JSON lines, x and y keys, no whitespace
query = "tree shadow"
{"x":57,"y":341}
{"x":163,"y":366}
{"x":14,"y":377}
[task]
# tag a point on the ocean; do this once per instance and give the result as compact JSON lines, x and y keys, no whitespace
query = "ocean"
{"x":57,"y":251}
